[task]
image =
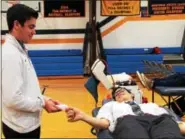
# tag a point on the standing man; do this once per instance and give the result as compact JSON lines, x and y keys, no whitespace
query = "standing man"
{"x":22,"y":102}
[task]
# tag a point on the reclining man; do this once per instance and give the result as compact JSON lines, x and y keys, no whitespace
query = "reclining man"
{"x":125,"y":119}
{"x":174,"y":80}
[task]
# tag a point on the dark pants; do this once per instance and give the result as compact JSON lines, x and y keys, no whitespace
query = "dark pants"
{"x":175,"y":80}
{"x":11,"y":134}
{"x":145,"y":127}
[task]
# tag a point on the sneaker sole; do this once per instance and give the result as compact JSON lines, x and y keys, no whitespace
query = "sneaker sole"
{"x":145,"y":81}
{"x":140,"y":78}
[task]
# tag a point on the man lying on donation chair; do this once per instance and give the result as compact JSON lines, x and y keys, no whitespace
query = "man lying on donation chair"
{"x":126,"y":119}
{"x":112,"y":113}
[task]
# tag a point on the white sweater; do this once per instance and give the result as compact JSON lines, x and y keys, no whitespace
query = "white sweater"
{"x":22,"y":101}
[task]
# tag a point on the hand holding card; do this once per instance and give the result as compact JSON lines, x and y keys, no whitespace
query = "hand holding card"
{"x":63,"y":107}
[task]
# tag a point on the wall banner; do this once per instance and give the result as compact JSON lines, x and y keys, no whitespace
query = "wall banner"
{"x":64,"y":8}
{"x":164,"y":7}
{"x":120,"y":7}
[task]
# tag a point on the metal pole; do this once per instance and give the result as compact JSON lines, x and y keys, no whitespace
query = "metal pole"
{"x":92,"y":22}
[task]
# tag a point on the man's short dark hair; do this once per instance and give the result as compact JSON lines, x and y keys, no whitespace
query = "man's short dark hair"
{"x":116,"y":88}
{"x":21,"y":13}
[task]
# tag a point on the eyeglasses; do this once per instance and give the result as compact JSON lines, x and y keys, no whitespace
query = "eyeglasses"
{"x":119,"y":91}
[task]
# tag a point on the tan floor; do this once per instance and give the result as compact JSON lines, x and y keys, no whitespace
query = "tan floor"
{"x":72,"y":92}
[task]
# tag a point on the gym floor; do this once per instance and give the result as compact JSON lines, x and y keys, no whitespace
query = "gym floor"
{"x":71,"y":91}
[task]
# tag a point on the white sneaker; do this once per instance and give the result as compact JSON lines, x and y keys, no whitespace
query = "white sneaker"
{"x":146,"y":81}
{"x":140,"y":78}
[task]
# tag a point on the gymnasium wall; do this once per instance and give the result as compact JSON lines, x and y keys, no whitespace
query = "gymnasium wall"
{"x":122,"y":32}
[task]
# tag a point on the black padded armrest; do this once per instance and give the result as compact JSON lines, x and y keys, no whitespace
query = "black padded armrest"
{"x":95,"y":111}
{"x":103,"y":133}
{"x":170,"y":91}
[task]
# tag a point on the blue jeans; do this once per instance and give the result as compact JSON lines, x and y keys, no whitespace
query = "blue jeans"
{"x":175,"y":80}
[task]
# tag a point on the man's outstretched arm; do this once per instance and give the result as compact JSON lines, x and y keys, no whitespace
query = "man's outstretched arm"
{"x":74,"y":114}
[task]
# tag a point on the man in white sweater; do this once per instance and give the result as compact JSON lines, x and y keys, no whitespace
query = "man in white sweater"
{"x":22,"y":101}
{"x":126,"y":119}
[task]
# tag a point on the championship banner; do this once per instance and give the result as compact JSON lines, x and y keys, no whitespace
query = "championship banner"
{"x":64,"y":8}
{"x":120,"y":7}
{"x":164,"y":7}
